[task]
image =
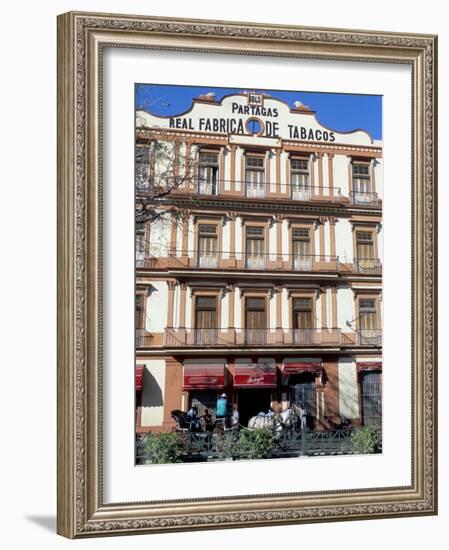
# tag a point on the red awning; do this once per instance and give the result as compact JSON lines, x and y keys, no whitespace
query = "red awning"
{"x":299,"y":368}
{"x":369,"y":365}
{"x":201,"y":377}
{"x":139,"y":377}
{"x":255,"y":375}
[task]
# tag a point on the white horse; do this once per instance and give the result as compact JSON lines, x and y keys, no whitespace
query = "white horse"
{"x":284,"y":419}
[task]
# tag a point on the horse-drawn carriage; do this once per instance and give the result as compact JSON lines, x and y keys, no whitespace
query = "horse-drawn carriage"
{"x":198,"y":424}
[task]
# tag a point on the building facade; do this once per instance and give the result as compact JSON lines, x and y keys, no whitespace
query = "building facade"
{"x":263,"y":279}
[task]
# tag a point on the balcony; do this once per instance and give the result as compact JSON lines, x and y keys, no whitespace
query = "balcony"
{"x":359,"y":198}
{"x":242,"y":261}
{"x":368,"y":266}
{"x":143,"y":338}
{"x":255,"y":191}
{"x":369,"y":337}
{"x":223,"y":337}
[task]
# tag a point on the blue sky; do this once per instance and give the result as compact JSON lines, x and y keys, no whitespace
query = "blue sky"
{"x":341,"y":112}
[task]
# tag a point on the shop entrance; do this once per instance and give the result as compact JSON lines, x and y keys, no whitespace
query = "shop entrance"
{"x":371,"y":398}
{"x":303,"y":392}
{"x":251,"y":402}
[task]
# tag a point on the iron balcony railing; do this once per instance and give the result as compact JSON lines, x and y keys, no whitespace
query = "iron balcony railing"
{"x":369,"y":337}
{"x":370,"y":266}
{"x":243,"y":261}
{"x":143,"y":338}
{"x":224,"y":337}
{"x":250,"y":189}
{"x":361,"y":198}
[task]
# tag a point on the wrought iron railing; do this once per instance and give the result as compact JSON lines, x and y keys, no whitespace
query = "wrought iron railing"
{"x":143,"y":338}
{"x":360,"y":198}
{"x":239,"y":260}
{"x":224,"y":337}
{"x":369,"y":266}
{"x":208,"y":446}
{"x":369,"y":337}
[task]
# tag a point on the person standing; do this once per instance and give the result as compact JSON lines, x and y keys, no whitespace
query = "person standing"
{"x":302,"y":417}
{"x":235,"y":416}
{"x":222,"y":410}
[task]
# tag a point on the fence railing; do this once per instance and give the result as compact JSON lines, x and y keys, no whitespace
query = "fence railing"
{"x":223,"y":337}
{"x":242,"y":260}
{"x":251,"y":189}
{"x":370,"y":266}
{"x":143,"y":338}
{"x":360,"y":198}
{"x":369,"y":337}
{"x":225,"y":445}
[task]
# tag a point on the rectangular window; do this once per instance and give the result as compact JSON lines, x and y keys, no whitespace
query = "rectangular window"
{"x":302,"y":313}
{"x":365,"y":261}
{"x":255,"y":176}
{"x":255,"y":248}
{"x":139,"y":318}
{"x":302,"y":259}
{"x":140,"y":241}
{"x":206,"y":320}
{"x":303,"y":321}
{"x":368,"y":326}
{"x":367,"y":314}
{"x":255,"y":320}
{"x":208,"y":245}
{"x":371,"y":394}
{"x":299,"y":179}
{"x":361,"y":183}
{"x":208,"y":173}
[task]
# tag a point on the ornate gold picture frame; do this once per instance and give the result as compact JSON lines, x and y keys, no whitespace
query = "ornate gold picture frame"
{"x":82,"y":39}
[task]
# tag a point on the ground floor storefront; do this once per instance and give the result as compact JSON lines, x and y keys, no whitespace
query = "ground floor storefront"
{"x":330,"y":388}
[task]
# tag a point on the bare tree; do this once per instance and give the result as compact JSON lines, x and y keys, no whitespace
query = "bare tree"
{"x":161,"y":168}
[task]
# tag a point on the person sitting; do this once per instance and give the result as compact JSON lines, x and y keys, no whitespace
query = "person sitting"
{"x":208,"y":421}
{"x":192,"y":417}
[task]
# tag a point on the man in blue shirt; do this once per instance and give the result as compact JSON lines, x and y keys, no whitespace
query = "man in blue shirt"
{"x":222,"y":410}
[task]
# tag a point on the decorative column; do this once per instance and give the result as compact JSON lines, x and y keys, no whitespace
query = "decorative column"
{"x":185,"y":216}
{"x":278,"y":291}
{"x":332,"y":222}
{"x":231,"y":305}
{"x":174,"y":227}
{"x":232,"y":177}
{"x":373,"y":175}
{"x":334,"y":307}
{"x":279,"y":218}
{"x":187,"y":186}
{"x":278,"y":171}
{"x":267,"y":172}
{"x":286,"y":188}
{"x":330,"y":167}
{"x":221,"y":171}
{"x":182,"y":304}
{"x":232,"y":216}
{"x":324,"y":308}
{"x":176,"y":163}
{"x":170,"y":303}
{"x":322,"y":220}
{"x":320,"y":174}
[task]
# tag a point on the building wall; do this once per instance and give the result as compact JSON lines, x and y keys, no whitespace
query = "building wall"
{"x":153,"y":392}
{"x":348,"y":388}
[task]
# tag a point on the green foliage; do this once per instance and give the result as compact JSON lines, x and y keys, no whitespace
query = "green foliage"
{"x":225,"y":444}
{"x":365,"y":440}
{"x":256,"y":443}
{"x":164,"y":448}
